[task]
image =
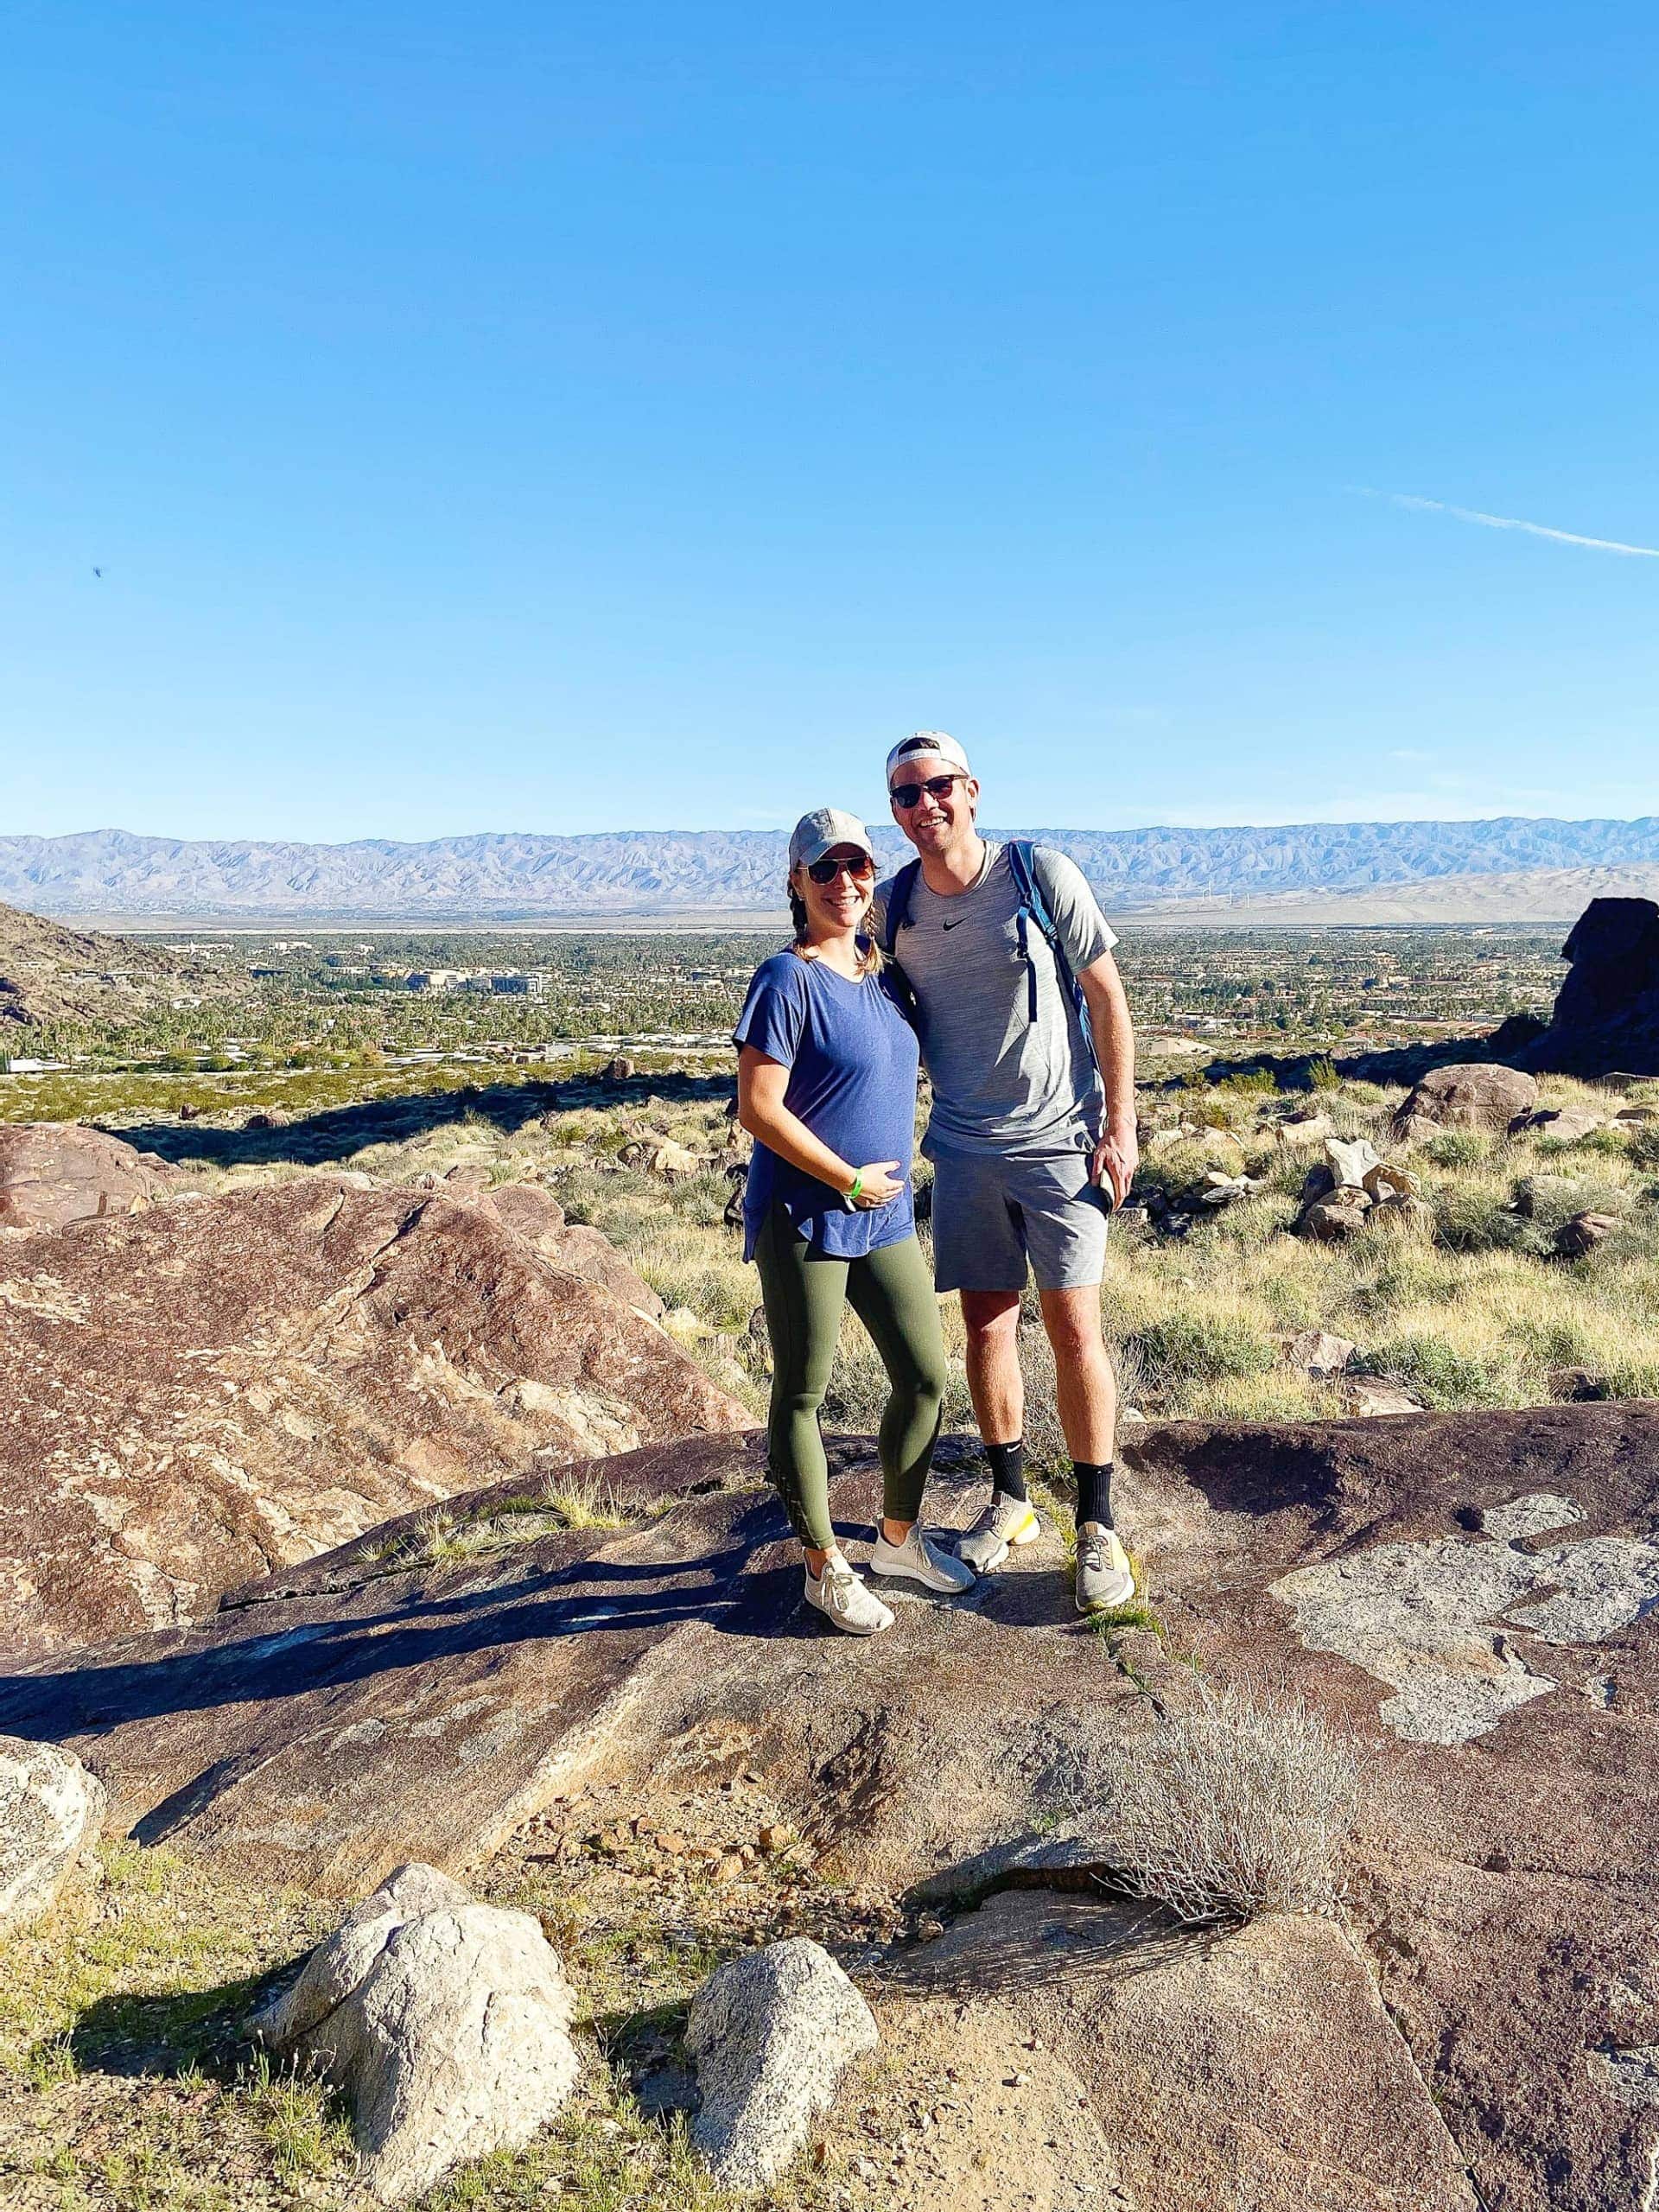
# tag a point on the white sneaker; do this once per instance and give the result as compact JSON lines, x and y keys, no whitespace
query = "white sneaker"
{"x":921,"y":1562}
{"x":1005,"y":1522}
{"x":841,"y":1596}
{"x":1105,"y":1577}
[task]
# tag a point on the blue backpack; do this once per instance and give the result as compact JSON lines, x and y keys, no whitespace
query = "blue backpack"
{"x":1034,"y":909}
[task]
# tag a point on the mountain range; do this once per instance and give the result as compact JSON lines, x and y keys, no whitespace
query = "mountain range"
{"x":1514,"y":867}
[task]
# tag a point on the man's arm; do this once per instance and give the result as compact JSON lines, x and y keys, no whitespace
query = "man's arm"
{"x":1118,"y":1153}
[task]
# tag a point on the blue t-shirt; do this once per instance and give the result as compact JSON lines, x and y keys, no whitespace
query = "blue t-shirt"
{"x":853,"y":1060}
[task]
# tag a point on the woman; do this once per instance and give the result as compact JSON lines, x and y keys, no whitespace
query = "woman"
{"x":826,"y":1086}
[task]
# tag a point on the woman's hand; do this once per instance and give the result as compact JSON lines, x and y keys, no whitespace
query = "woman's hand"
{"x":878,"y":1186}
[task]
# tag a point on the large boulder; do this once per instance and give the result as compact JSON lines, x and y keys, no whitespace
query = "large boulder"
{"x":50,"y":1810}
{"x":1468,"y":1600}
{"x":445,"y":2023}
{"x":772,"y":2033}
{"x":1606,"y":1014}
{"x":1472,"y":1095}
{"x":220,"y":1386}
{"x":52,"y":1172}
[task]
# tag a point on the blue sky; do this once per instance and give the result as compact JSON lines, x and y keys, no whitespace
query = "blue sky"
{"x":564,"y":418}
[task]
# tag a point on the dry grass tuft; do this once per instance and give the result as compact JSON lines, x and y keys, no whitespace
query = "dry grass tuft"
{"x":1242,"y":1806}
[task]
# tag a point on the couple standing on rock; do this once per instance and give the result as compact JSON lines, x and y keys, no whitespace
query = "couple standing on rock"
{"x":992,"y":963}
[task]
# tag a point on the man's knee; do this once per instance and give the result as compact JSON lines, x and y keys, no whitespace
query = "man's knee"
{"x":990,"y":1317}
{"x":1071,"y":1322}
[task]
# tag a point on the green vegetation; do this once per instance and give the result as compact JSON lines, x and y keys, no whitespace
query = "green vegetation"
{"x":129,"y":2081}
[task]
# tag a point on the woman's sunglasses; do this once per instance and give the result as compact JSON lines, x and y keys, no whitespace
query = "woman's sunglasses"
{"x":861,"y":870}
{"x":909,"y":794}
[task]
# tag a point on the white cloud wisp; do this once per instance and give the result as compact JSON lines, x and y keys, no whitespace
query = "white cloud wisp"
{"x":1507,"y":522}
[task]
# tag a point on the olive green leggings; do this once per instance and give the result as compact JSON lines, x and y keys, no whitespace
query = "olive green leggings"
{"x":892,"y":1293}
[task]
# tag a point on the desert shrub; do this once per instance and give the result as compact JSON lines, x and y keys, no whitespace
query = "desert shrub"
{"x":717,"y":1286}
{"x":1642,"y":1144}
{"x":1445,"y":1374}
{"x":1322,"y":1073}
{"x":1249,"y":1083}
{"x":1242,"y":1806}
{"x":1175,"y":1350}
{"x":1549,"y":1200}
{"x":701,"y":1198}
{"x":1458,"y":1147}
{"x":1475,"y":1216}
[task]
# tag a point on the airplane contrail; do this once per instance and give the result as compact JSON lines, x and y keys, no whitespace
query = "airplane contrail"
{"x":1507,"y":522}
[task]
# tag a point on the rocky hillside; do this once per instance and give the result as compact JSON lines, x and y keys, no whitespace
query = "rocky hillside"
{"x":48,"y":973}
{"x":625,"y":873}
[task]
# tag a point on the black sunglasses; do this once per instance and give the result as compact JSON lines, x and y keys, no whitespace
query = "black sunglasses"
{"x":861,"y":870}
{"x":909,"y":794}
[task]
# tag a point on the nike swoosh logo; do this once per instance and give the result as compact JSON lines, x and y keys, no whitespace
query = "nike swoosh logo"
{"x":955,"y":924}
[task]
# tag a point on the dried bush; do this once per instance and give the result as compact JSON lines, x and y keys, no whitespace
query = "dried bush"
{"x":1242,"y":1806}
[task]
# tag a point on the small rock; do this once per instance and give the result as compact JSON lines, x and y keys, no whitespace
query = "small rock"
{"x":729,"y":1868}
{"x":1297,"y":1129}
{"x":1318,"y":1352}
{"x":444,"y":2021}
{"x":51,"y":1810}
{"x":1368,"y":1396}
{"x":777,"y":1835}
{"x":772,"y":2034}
{"x":1566,"y":1124}
{"x":1389,"y":1181}
{"x":1332,"y":1220}
{"x":1350,"y":1159}
{"x":1157,"y":1141}
{"x":1583,"y":1233}
{"x":1576,"y":1385}
{"x":621,"y":1070}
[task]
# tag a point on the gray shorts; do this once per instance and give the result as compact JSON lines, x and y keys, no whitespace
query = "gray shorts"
{"x":994,"y":1211}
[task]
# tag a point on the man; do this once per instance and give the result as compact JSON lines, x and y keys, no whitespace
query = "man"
{"x":1031,"y":1129}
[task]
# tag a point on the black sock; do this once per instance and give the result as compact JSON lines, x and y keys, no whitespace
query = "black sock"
{"x":1008,"y":1468}
{"x":1094,"y":1492}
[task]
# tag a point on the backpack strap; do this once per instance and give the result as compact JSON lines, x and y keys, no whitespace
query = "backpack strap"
{"x":897,"y":911}
{"x":1022,"y":865}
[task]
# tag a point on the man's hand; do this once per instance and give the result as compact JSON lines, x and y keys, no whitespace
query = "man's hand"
{"x":1116,"y":1157}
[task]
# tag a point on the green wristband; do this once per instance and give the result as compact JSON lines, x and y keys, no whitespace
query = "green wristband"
{"x":858,"y":1185}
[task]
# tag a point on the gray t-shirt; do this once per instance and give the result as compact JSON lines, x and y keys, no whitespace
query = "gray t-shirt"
{"x":1003,"y":1081}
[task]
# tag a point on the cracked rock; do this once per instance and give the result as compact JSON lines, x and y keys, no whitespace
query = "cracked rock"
{"x":445,"y":2022}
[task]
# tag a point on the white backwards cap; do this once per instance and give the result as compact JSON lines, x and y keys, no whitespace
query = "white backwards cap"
{"x":922,"y":742}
